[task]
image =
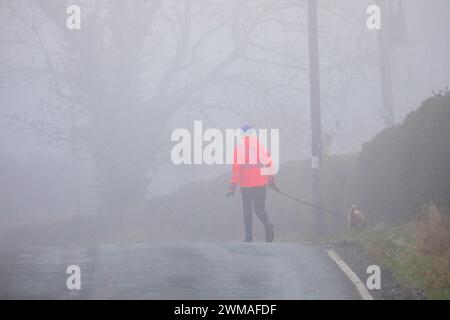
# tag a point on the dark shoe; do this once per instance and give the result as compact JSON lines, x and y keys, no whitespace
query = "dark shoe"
{"x":269,"y":232}
{"x":248,"y":238}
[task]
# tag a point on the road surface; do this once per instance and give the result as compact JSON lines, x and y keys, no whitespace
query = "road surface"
{"x":175,"y":271}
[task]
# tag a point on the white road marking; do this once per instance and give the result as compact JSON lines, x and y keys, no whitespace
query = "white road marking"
{"x":365,"y":295}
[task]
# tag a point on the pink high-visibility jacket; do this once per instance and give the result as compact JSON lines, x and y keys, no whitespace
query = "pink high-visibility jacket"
{"x":248,"y":159}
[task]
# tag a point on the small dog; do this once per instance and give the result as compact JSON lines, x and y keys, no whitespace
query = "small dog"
{"x":355,"y":218}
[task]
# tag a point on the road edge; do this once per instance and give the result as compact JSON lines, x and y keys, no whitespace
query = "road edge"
{"x":360,"y":287}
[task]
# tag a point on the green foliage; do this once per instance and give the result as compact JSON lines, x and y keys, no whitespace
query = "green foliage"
{"x":408,"y":165}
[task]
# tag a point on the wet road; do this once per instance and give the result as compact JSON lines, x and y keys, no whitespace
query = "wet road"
{"x":175,"y":271}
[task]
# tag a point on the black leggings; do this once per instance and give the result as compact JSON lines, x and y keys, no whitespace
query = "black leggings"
{"x":255,"y":197}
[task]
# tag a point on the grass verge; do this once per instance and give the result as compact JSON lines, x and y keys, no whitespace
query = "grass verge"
{"x":417,"y":253}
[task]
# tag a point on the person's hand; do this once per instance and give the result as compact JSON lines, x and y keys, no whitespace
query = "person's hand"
{"x":273,"y":186}
{"x":231,"y":191}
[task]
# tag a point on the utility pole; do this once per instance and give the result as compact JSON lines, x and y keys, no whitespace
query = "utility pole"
{"x":384,"y":43}
{"x":316,"y":121}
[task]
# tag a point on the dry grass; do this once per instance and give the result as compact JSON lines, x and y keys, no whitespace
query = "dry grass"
{"x":417,"y":252}
{"x":433,"y":246}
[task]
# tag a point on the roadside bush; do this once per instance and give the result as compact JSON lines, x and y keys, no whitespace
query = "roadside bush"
{"x":408,"y":165}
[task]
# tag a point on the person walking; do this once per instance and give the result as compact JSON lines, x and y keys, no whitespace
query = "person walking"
{"x":249,"y":158}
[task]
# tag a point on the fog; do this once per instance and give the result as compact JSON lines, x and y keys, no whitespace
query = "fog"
{"x":87,"y":114}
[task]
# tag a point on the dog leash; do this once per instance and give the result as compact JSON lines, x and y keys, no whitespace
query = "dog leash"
{"x":309,"y":204}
